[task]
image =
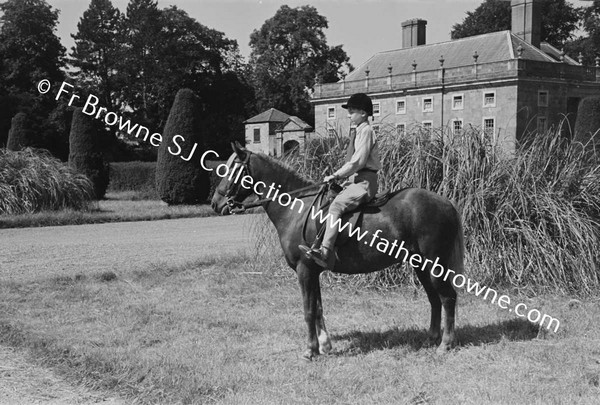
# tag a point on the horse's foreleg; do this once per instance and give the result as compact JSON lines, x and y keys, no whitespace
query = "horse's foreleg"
{"x":323,"y":336}
{"x":310,"y":288}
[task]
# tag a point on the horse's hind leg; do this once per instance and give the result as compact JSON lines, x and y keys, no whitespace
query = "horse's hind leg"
{"x":323,"y":336}
{"x":436,"y":307}
{"x":448,"y":296}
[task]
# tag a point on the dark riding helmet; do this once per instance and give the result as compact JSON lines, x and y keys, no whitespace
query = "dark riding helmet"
{"x":360,"y":101}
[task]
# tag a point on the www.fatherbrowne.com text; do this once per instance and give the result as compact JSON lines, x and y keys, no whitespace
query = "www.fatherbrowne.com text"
{"x":393,"y":248}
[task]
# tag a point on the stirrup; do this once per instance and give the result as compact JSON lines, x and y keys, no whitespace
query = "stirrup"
{"x":306,"y":250}
{"x":317,"y":257}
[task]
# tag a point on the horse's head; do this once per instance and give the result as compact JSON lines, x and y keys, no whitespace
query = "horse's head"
{"x":230,"y":194}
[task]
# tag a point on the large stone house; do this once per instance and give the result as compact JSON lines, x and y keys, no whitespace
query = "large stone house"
{"x":276,"y":133}
{"x":507,"y":83}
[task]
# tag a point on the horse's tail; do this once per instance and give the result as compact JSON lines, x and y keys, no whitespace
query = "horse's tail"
{"x":456,"y":259}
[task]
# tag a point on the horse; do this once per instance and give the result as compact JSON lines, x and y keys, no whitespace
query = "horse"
{"x":427,"y":223}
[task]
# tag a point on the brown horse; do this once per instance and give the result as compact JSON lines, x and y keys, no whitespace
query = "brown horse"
{"x":427,"y":224}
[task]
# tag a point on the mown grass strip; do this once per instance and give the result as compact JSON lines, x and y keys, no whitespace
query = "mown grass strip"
{"x":208,"y":332}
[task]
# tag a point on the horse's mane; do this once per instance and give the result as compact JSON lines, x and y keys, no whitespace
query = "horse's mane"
{"x":291,"y":172}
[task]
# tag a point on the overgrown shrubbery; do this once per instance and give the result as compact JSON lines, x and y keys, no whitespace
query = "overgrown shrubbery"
{"x":531,"y":219}
{"x":32,"y":180}
{"x":134,"y":176}
{"x":588,"y":121}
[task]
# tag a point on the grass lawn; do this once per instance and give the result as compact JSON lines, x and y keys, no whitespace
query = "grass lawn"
{"x":224,"y":330}
{"x":116,"y":207}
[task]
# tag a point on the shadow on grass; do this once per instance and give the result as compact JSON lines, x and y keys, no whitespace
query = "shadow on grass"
{"x":365,"y":342}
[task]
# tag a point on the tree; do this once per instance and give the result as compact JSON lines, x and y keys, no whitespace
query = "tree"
{"x":559,"y":20}
{"x":98,"y":50}
{"x":165,"y":50}
{"x":141,"y":64}
{"x":288,"y":52}
{"x":85,"y":155}
{"x":180,"y":178}
{"x":29,"y":52}
{"x":19,"y":135}
{"x":588,"y":45}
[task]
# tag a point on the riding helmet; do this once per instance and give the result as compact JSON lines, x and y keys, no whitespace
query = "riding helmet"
{"x":360,"y":101}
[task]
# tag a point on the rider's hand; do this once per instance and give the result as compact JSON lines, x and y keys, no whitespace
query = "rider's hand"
{"x":327,"y":179}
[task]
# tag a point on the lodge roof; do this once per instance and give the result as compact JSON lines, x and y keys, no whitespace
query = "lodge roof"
{"x":294,"y":123}
{"x":271,"y":115}
{"x":491,"y":47}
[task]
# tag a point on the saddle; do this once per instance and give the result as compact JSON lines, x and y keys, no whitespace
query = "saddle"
{"x":352,"y":218}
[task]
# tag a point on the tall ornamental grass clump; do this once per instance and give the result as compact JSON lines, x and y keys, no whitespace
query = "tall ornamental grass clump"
{"x":33,"y":180}
{"x":531,"y":218}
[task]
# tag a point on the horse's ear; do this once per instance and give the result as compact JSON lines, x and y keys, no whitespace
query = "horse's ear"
{"x":239,"y":150}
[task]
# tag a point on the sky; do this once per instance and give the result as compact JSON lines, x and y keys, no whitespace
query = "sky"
{"x":362,"y":27}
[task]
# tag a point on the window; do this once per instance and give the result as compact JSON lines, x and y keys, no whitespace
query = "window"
{"x":427,"y":126}
{"x":376,"y":109}
{"x":331,"y":132}
{"x":457,"y":102}
{"x":542,"y":98}
{"x":457,"y":126}
{"x":427,"y":104}
{"x":401,"y":129}
{"x":375,"y":129}
{"x":489,"y":99}
{"x":489,"y":127}
{"x":256,"y":135}
{"x":330,"y":113}
{"x":401,"y":106}
{"x":541,"y":124}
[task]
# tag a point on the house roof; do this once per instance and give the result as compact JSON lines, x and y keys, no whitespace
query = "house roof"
{"x":491,"y":47}
{"x":271,"y":115}
{"x":294,"y":123}
{"x":556,"y":54}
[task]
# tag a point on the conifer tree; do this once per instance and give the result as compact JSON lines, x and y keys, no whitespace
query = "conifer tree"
{"x":178,"y":180}
{"x":98,"y":50}
{"x":84,"y":151}
{"x":19,"y":135}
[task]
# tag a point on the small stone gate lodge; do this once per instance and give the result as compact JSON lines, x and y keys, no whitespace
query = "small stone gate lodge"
{"x":507,"y":83}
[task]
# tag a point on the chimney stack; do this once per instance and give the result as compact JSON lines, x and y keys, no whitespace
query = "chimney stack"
{"x":527,"y":21}
{"x":413,"y":33}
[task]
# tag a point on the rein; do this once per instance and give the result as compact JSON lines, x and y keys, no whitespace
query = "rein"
{"x":291,"y":194}
{"x":238,"y":207}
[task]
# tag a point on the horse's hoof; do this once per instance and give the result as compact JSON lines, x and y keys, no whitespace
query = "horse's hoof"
{"x":443,"y":349}
{"x":431,"y":341}
{"x":308,"y":355}
{"x":325,"y":348}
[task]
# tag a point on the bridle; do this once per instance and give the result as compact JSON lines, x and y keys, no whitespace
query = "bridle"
{"x":235,"y":187}
{"x":239,"y":206}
